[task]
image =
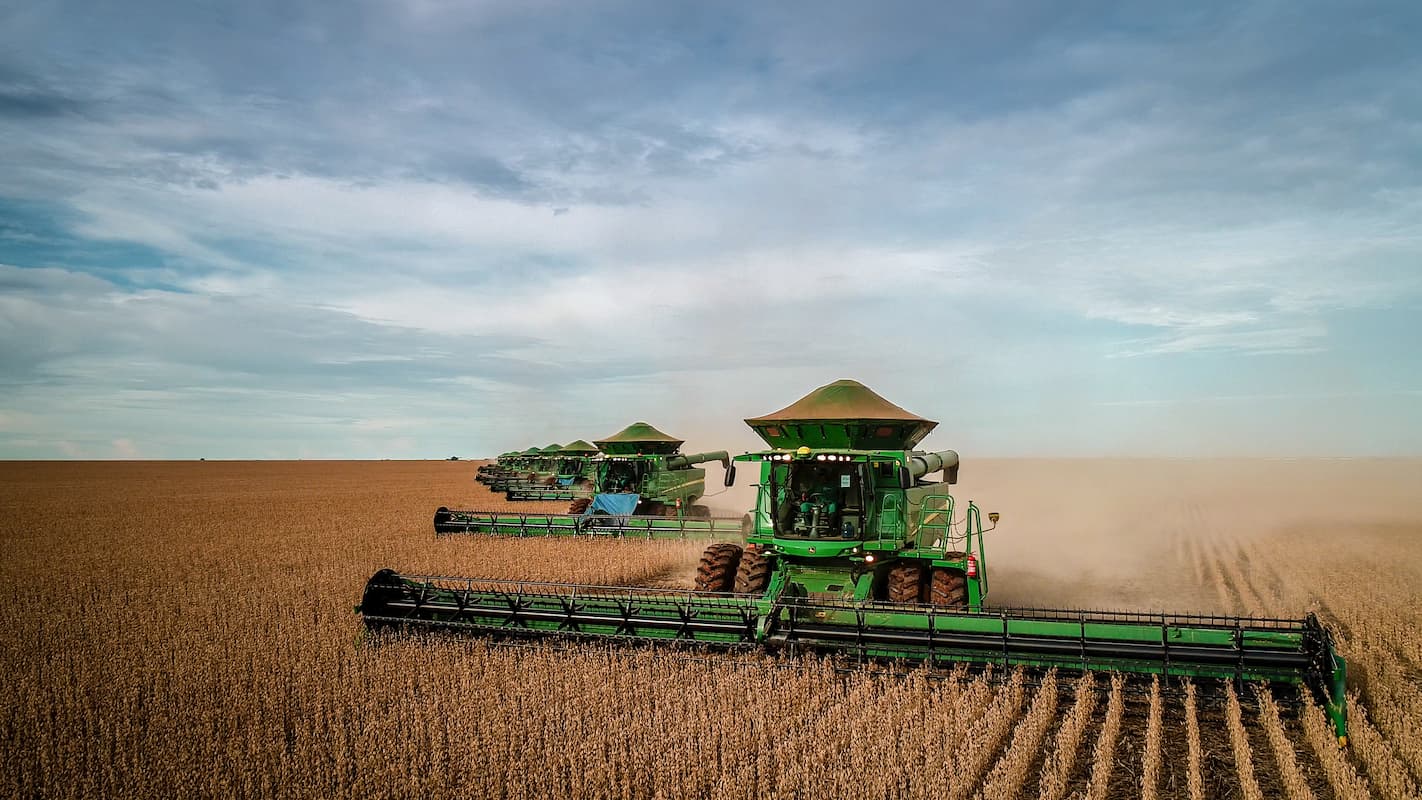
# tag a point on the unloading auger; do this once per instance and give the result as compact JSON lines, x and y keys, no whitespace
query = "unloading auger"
{"x":641,"y":486}
{"x":852,"y":549}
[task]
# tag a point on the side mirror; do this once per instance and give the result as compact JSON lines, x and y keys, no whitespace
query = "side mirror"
{"x":993,"y":517}
{"x":731,"y":475}
{"x":905,"y":478}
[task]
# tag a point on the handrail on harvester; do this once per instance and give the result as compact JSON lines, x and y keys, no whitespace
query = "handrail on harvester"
{"x":974,"y":522}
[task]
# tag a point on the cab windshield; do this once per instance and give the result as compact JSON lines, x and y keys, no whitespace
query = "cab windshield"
{"x":622,"y":476}
{"x":818,"y":500}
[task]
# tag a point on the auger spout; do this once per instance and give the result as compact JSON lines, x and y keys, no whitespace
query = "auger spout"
{"x":688,"y":461}
{"x":921,"y":464}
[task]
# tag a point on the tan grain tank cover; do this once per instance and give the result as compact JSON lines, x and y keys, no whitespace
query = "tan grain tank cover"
{"x":844,"y":400}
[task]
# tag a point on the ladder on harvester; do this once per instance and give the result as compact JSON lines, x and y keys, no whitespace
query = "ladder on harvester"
{"x":935,"y":529}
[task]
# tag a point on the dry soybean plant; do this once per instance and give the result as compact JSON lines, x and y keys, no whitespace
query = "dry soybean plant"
{"x":1388,"y":774}
{"x":1195,"y":780}
{"x":1282,"y":748}
{"x":189,"y":631}
{"x":982,"y":742}
{"x":1007,"y":776}
{"x":1057,"y":768}
{"x":1239,"y":741}
{"x":1104,"y":758}
{"x":1346,"y":782}
{"x":1150,"y":761}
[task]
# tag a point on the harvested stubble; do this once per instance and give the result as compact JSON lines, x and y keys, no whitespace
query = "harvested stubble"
{"x":186,"y":629}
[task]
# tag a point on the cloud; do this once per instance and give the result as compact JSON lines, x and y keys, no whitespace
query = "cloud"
{"x":125,"y":448}
{"x":333,"y":220}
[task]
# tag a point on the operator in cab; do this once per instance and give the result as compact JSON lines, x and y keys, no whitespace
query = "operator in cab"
{"x":812,"y":504}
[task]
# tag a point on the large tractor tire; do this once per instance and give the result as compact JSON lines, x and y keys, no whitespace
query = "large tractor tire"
{"x":717,"y":570}
{"x":652,"y":508}
{"x":700,"y":512}
{"x":579,"y":505}
{"x":753,"y":574}
{"x":905,"y":583}
{"x":948,"y":589}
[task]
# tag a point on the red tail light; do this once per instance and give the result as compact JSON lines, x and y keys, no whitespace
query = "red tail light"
{"x":972,"y":566}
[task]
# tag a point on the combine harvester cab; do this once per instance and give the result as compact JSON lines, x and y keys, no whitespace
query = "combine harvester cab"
{"x":571,"y":477}
{"x":642,"y":486}
{"x":851,"y":549}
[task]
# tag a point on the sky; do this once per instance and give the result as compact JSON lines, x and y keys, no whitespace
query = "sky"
{"x":429,"y":228}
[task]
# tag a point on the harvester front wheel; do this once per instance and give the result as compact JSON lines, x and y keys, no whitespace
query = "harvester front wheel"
{"x":949,"y":588}
{"x":700,"y":512}
{"x":905,"y":583}
{"x":579,"y":505}
{"x":753,"y":574}
{"x":717,"y":570}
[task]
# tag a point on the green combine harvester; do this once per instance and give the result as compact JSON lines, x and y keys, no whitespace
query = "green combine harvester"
{"x":570,"y":475}
{"x":556,"y":466}
{"x":642,"y":485}
{"x":507,"y":465}
{"x":852,"y":549}
{"x":502,"y":463}
{"x":499,"y":463}
{"x":539,"y":466}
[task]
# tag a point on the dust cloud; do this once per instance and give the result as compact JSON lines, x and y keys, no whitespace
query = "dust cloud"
{"x":1110,"y":533}
{"x":1100,"y":533}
